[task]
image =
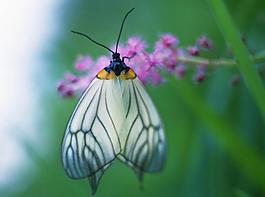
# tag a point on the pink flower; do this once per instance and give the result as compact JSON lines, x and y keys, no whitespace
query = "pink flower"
{"x":136,"y":44}
{"x":83,"y":63}
{"x":205,"y":42}
{"x":61,"y":86}
{"x":69,"y":92}
{"x":193,"y":50}
{"x":167,"y":41}
{"x":70,"y":77}
{"x":65,"y":89}
{"x":200,"y":74}
{"x":155,"y":76}
{"x":146,"y":64}
{"x":181,"y":70}
{"x":100,"y":63}
{"x":166,"y":57}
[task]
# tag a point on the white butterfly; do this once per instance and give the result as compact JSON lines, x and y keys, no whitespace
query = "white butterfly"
{"x":115,"y":118}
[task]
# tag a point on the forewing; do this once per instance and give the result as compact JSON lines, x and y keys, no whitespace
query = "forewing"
{"x":91,"y":140}
{"x":142,"y":137}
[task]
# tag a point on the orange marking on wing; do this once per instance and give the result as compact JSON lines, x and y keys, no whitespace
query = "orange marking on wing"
{"x":130,"y":74}
{"x":103,"y":74}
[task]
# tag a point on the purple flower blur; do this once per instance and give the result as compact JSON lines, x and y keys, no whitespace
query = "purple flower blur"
{"x":205,"y":42}
{"x":181,"y":70}
{"x":145,"y":64}
{"x":193,"y":50}
{"x":200,"y":74}
{"x":83,"y":63}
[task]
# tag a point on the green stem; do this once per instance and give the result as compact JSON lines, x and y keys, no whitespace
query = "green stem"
{"x":259,"y":58}
{"x":249,"y":161}
{"x":245,"y":61}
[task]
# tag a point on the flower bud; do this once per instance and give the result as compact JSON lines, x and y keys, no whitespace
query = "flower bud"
{"x":181,"y":70}
{"x":194,"y":51}
{"x":205,"y":42}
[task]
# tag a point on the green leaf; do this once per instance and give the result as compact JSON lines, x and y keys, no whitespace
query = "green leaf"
{"x":246,"y":63}
{"x":249,"y":161}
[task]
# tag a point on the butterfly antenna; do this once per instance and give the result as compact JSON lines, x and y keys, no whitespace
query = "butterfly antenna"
{"x":92,"y":40}
{"x":122,"y":28}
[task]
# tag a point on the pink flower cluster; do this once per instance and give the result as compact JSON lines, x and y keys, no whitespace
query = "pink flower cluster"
{"x":145,"y":64}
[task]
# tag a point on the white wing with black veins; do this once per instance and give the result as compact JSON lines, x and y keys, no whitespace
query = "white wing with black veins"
{"x":114,"y":118}
{"x":142,"y":136}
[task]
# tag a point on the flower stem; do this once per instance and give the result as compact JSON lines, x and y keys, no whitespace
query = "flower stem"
{"x":258,"y":58}
{"x":246,"y":64}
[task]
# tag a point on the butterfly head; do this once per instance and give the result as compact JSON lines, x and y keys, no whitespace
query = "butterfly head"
{"x":117,"y":65}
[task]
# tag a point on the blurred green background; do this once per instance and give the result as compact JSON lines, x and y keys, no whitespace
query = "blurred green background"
{"x":198,"y":165}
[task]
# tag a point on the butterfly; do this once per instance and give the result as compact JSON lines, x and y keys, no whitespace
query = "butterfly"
{"x":115,"y":118}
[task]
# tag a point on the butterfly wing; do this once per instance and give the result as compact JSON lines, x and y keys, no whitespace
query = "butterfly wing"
{"x":114,"y":118}
{"x":95,"y":178}
{"x":142,"y":136}
{"x":91,"y":140}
